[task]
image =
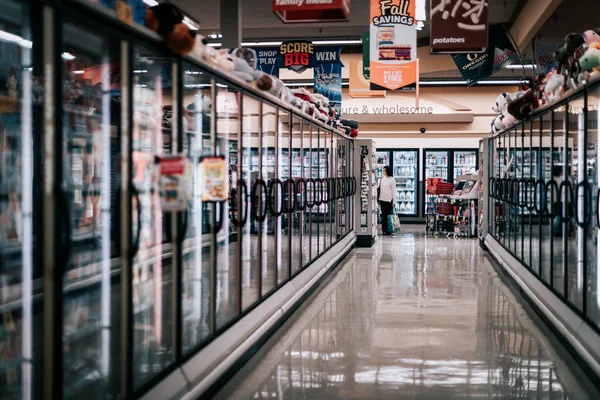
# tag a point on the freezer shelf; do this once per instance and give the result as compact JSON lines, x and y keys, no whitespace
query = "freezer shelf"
{"x":406,"y":173}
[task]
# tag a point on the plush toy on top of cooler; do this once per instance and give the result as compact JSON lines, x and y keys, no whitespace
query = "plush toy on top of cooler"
{"x":321,"y":104}
{"x":241,"y":62}
{"x":290,"y":98}
{"x":590,"y":61}
{"x":167,"y":20}
{"x":503,"y":120}
{"x":350,"y":126}
{"x":521,"y":107}
{"x":303,"y":97}
{"x":569,"y":57}
{"x":516,"y":107}
{"x":554,"y":86}
{"x":592,"y":38}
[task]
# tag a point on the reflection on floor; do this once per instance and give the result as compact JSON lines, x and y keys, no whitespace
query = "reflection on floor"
{"x":413,"y":317}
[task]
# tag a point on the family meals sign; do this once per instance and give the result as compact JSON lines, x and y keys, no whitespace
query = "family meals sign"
{"x":295,"y":11}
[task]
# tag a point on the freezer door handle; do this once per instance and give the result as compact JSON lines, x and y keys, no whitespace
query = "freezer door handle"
{"x":136,"y":244}
{"x":65,"y":227}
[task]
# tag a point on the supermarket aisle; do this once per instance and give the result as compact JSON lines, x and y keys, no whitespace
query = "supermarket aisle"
{"x":416,"y":318}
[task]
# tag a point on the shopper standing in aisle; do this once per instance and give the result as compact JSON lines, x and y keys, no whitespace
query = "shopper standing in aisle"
{"x":387,"y":198}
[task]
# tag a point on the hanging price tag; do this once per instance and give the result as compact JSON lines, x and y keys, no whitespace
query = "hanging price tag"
{"x":215,"y":183}
{"x":175,"y":183}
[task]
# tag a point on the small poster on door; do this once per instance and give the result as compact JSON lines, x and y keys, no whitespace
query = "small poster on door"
{"x":174,"y":183}
{"x":215,"y":184}
{"x":363,"y":219}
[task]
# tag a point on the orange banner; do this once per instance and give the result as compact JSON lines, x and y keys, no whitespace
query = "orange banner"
{"x":393,"y":45}
{"x":359,"y":86}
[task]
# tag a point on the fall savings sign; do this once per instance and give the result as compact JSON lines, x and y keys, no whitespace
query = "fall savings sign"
{"x":393,"y":45}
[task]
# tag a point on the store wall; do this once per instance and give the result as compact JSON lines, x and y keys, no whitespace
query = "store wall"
{"x":443,"y":112}
{"x":427,"y":143}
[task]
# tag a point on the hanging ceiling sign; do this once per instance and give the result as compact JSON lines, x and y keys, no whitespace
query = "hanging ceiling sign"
{"x":366,"y":61}
{"x":328,"y":82}
{"x":544,"y":56}
{"x":295,"y":11}
{"x":268,"y":60}
{"x":477,"y":66}
{"x":297,"y":55}
{"x":458,"y":26}
{"x":359,"y":86}
{"x":393,"y":45}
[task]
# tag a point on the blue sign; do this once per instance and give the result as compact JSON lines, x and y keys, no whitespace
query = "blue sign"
{"x":270,"y":59}
{"x":328,"y":82}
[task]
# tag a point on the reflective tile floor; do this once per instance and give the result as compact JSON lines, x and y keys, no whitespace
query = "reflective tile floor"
{"x":414,"y":317}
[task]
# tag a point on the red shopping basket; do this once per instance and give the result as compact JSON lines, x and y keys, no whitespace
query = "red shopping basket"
{"x":444,"y":188}
{"x":445,"y":208}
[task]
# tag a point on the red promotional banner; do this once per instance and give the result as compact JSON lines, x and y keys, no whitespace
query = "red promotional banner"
{"x":295,"y":11}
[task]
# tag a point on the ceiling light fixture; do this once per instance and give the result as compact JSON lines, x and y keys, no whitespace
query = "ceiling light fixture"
{"x":327,"y":42}
{"x":420,"y":13}
{"x":253,"y":44}
{"x":151,"y":3}
{"x":79,"y":72}
{"x":459,"y":82}
{"x":520,"y":66}
{"x":502,"y":82}
{"x":191,"y":24}
{"x":9,"y":37}
{"x":68,"y":56}
{"x":278,"y":43}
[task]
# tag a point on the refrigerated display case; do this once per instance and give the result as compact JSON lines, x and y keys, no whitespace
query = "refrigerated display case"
{"x":21,"y":203}
{"x":382,"y":158}
{"x":464,"y":162}
{"x":447,"y":164}
{"x":366,"y":202}
{"x":405,"y":170}
{"x":483,"y":198}
{"x":88,"y":107}
{"x":436,"y":165}
{"x":405,"y":166}
{"x":543,"y":184}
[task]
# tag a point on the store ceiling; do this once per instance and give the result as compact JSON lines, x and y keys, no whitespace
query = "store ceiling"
{"x":259,"y":21}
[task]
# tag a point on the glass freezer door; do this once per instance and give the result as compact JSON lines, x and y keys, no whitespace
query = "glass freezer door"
{"x":152,"y":261}
{"x":465,"y":162}
{"x":406,"y":175}
{"x":90,"y":178}
{"x":382,"y":158}
{"x":20,"y":207}
{"x":436,"y":166}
